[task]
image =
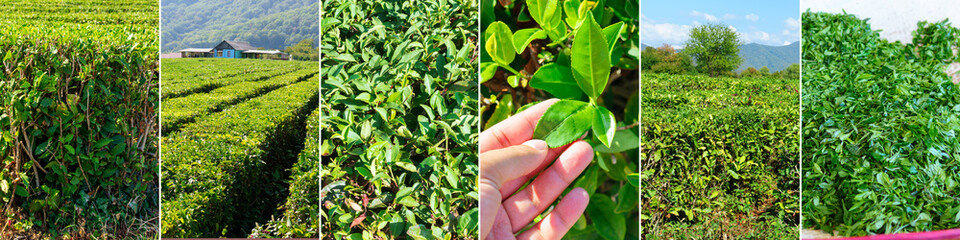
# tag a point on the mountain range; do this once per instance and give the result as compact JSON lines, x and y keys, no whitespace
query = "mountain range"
{"x":270,"y":24}
{"x":757,"y":55}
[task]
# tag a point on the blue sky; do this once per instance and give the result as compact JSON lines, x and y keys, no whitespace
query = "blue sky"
{"x":774,"y":23}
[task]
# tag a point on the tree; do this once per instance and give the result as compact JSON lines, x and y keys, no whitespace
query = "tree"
{"x":716,"y":47}
{"x":304,"y":51}
{"x":791,"y":72}
{"x":665,"y":59}
{"x":764,"y":71}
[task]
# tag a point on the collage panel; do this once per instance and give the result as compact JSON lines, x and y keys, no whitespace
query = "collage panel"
{"x":79,"y":115}
{"x":881,"y":111}
{"x":240,"y":119}
{"x":560,"y":117}
{"x":399,"y":121}
{"x":720,"y":103}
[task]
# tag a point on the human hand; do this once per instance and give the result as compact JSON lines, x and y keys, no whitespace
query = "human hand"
{"x":508,"y":159}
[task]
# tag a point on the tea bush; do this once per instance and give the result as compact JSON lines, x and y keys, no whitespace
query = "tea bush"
{"x":225,"y":173}
{"x":300,"y":216}
{"x":880,"y":127}
{"x":720,"y":157}
{"x":539,"y":49}
{"x":399,"y":119}
{"x":78,"y":113}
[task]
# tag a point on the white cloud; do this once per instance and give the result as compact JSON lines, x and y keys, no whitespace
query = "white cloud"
{"x":660,"y":33}
{"x":705,"y":16}
{"x":759,"y":37}
{"x":729,"y":16}
{"x":786,"y":43}
{"x":752,"y":17}
{"x":792,"y":23}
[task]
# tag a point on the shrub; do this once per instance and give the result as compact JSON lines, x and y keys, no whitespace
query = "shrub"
{"x":78,"y":101}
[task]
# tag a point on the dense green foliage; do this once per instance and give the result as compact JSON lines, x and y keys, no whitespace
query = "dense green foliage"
{"x":716,"y":47}
{"x":305,"y":50}
{"x":665,"y":59}
{"x":78,"y":99}
{"x":271,"y":24}
{"x":227,"y":166}
{"x":720,"y":157}
{"x":880,"y":127}
{"x":572,"y":50}
{"x":399,"y":119}
{"x":225,"y":91}
{"x":300,"y":216}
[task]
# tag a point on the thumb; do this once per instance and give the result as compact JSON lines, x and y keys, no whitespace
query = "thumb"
{"x":502,"y":165}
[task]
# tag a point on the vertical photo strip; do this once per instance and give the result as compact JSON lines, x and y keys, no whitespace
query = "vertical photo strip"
{"x":79,"y":114}
{"x":240,"y":111}
{"x":721,"y":120}
{"x":559,"y":108}
{"x":881,"y":113}
{"x":399,"y":119}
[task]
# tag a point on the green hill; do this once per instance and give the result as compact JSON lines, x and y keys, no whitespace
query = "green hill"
{"x":774,"y":57}
{"x":271,"y":24}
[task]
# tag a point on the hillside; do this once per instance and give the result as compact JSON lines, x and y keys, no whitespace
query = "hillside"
{"x":273,"y":24}
{"x":774,"y":57}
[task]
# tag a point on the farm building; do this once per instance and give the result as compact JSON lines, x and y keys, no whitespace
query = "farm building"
{"x":232,"y":49}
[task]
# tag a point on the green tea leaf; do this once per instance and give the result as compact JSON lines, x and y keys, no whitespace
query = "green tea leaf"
{"x":557,"y":80}
{"x":609,"y":224}
{"x":523,"y":37}
{"x":500,"y":43}
{"x":591,"y":59}
{"x":604,"y":125}
{"x":564,"y":122}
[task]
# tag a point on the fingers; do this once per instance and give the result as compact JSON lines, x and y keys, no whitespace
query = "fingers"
{"x":503,"y":165}
{"x":501,"y":227}
{"x":540,"y":194}
{"x":510,"y":187}
{"x":558,"y":222}
{"x":513,"y":130}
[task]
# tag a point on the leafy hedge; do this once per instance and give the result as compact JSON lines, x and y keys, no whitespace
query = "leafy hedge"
{"x":880,"y":123}
{"x":207,"y":80}
{"x":182,"y":110}
{"x":720,"y":157}
{"x":78,"y":116}
{"x":300,"y":218}
{"x":223,"y":174}
{"x":399,"y":119}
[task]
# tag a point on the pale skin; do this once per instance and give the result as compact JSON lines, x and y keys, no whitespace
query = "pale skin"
{"x":509,"y":158}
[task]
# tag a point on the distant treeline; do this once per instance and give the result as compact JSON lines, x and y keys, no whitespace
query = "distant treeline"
{"x":665,"y":59}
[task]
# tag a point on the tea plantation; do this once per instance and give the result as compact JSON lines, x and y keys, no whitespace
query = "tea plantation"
{"x":240,"y":152}
{"x":720,"y":157}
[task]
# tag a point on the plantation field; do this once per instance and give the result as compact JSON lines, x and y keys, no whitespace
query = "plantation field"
{"x":78,"y":109}
{"x":240,"y":148}
{"x":399,"y":119}
{"x":720,"y":157}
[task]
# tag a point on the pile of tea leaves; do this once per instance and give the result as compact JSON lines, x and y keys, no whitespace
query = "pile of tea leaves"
{"x":880,"y":123}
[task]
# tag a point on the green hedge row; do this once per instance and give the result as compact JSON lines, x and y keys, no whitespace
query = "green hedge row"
{"x":180,"y":70}
{"x":207,"y":83}
{"x":300,"y":218}
{"x":182,"y":110}
{"x":720,"y":155}
{"x":78,"y":124}
{"x":222,"y":173}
